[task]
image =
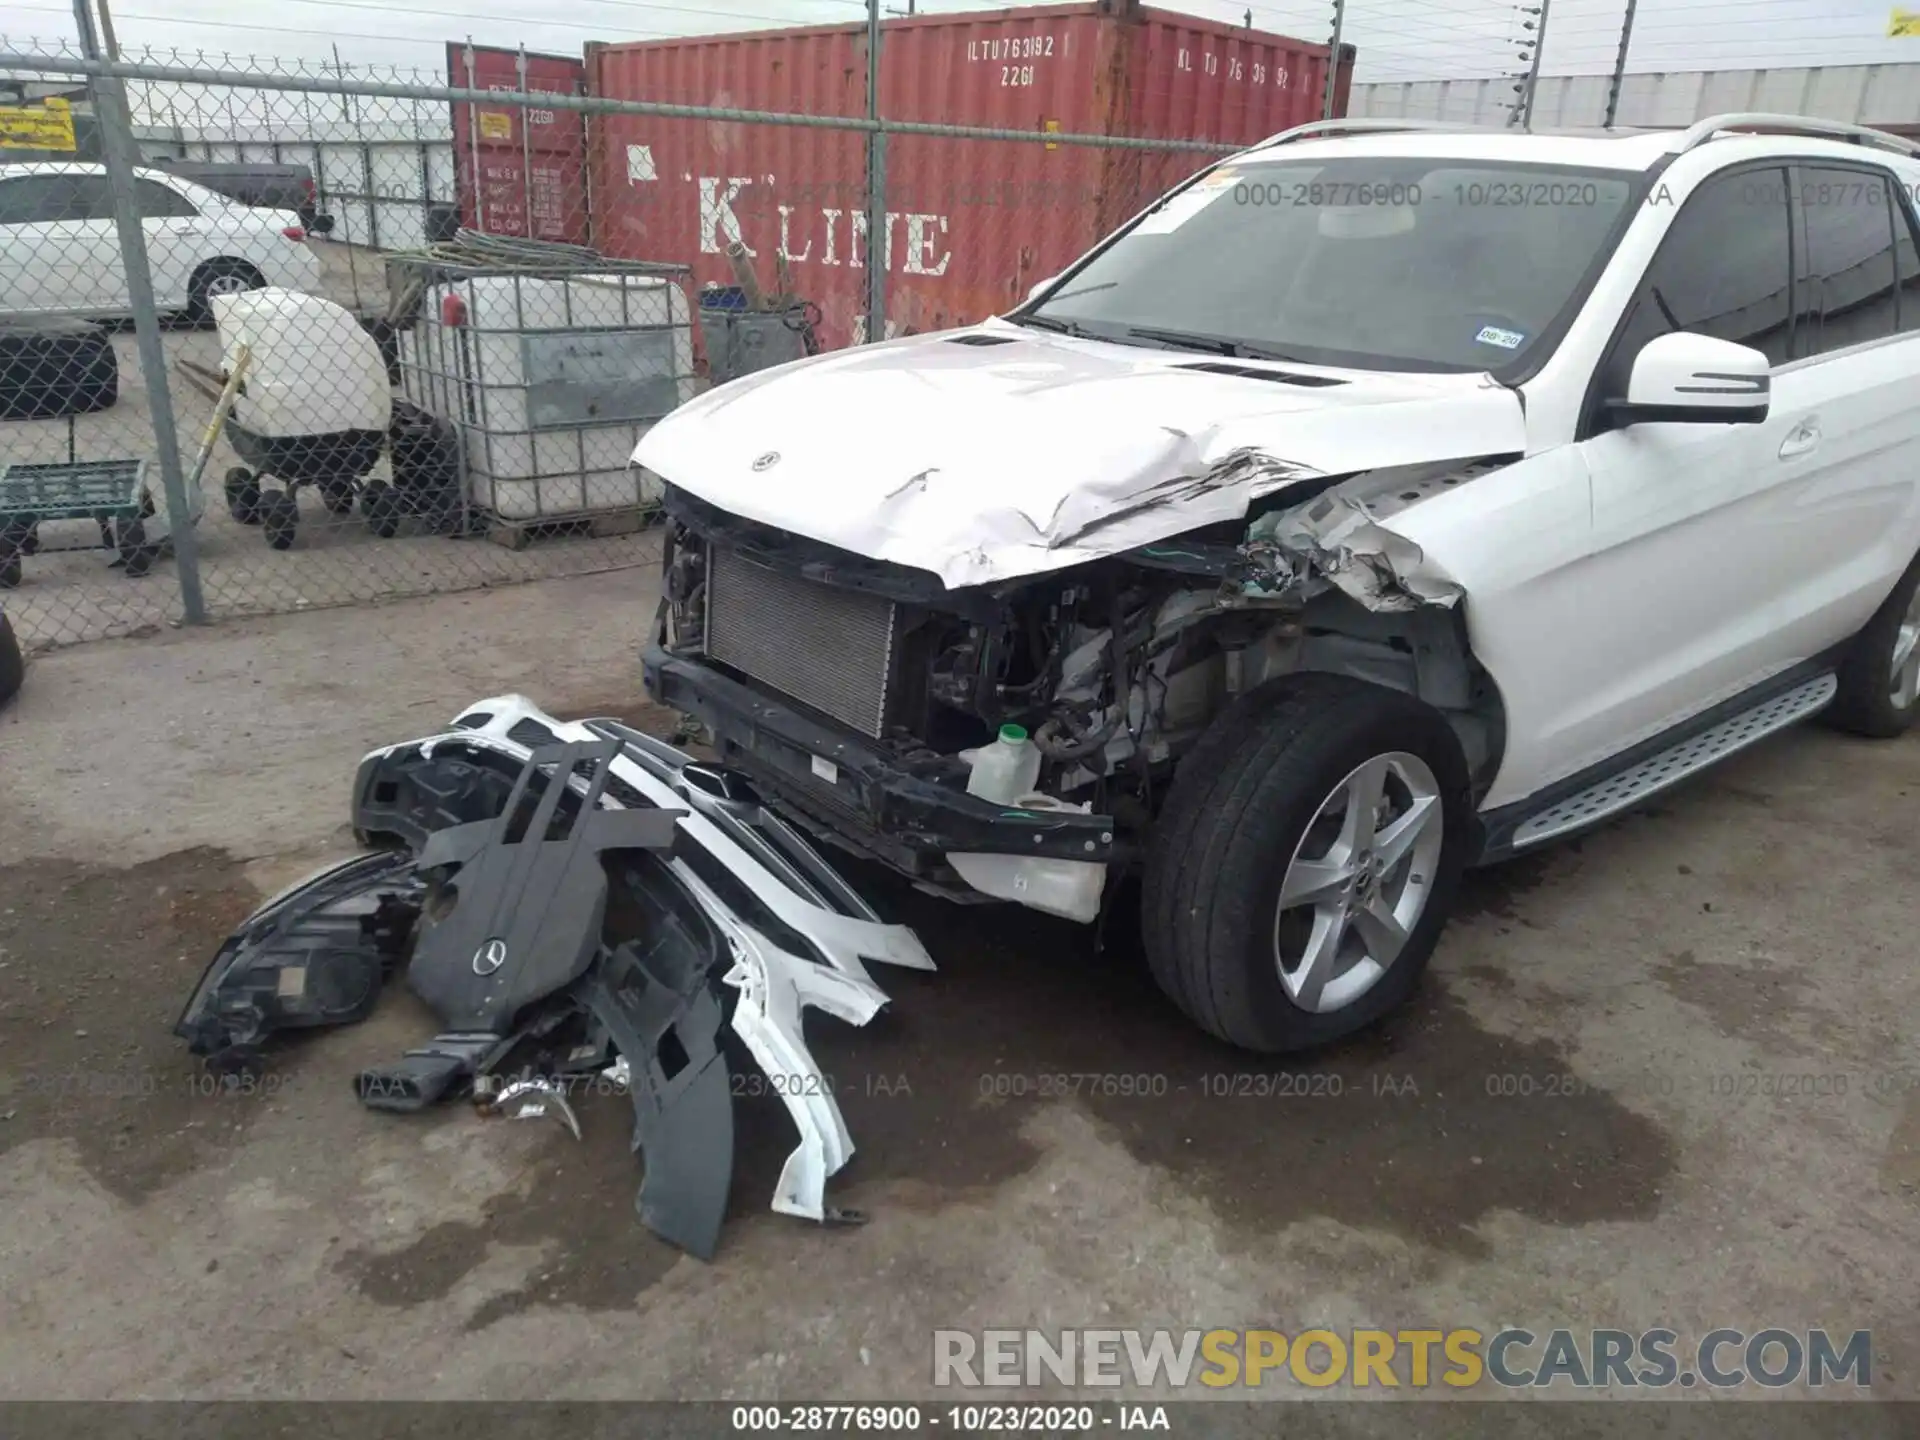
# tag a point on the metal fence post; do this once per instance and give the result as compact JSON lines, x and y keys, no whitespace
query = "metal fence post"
{"x":117,"y":150}
{"x":526,"y":146}
{"x":1532,"y":82}
{"x":876,"y":188}
{"x":473,"y":144}
{"x":1619,"y":69}
{"x":1333,"y":58}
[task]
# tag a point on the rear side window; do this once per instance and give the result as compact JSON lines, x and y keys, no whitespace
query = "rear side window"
{"x":160,"y":201}
{"x":1724,"y":269}
{"x":1850,"y":292}
{"x":92,"y":198}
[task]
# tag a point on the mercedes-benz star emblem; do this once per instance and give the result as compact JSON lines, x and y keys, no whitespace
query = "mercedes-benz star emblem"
{"x":767,"y":461}
{"x":489,"y":957}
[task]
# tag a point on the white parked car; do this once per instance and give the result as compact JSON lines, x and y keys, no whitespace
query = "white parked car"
{"x":60,"y":250}
{"x":1384,"y":501}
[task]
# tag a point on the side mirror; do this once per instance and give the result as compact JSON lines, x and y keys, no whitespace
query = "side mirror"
{"x":1689,"y":379}
{"x":1039,"y":286}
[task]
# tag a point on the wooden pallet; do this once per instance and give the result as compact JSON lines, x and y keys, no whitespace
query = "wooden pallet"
{"x":518,"y":534}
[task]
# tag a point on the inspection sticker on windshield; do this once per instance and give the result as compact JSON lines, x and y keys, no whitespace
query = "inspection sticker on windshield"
{"x":1188,"y":203}
{"x":1505,"y":339}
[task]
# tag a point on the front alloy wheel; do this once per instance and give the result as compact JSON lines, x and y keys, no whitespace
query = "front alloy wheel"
{"x":1878,"y":694}
{"x":1904,"y":668}
{"x":1358,"y":882}
{"x":1305,"y":861}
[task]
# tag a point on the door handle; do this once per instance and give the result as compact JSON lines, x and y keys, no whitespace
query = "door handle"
{"x":1800,"y":440}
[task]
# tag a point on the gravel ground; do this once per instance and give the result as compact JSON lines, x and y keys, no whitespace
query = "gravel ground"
{"x":1586,"y":1118}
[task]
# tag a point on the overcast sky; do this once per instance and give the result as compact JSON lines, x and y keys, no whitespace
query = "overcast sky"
{"x":1397,"y":39}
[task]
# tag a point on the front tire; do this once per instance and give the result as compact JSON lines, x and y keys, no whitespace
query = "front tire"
{"x":1305,"y":862}
{"x":13,"y":665}
{"x":1879,"y":693}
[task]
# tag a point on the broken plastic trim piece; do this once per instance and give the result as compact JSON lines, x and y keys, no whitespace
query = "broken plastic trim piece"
{"x":682,"y":1094}
{"x":1337,"y":539}
{"x":777,"y":870}
{"x":520,"y":897}
{"x":844,"y":933}
{"x":535,"y":1098}
{"x":423,"y":1077}
{"x":774,"y":986}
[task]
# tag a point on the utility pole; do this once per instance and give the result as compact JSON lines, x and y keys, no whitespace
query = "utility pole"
{"x":120,"y":155}
{"x":1619,"y":68}
{"x":1523,"y":107}
{"x":1333,"y":58}
{"x":876,"y":188}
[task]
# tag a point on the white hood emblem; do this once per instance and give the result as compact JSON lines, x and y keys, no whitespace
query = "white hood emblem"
{"x":767,"y":461}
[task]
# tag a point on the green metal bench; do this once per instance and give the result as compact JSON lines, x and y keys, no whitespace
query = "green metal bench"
{"x":113,"y":493}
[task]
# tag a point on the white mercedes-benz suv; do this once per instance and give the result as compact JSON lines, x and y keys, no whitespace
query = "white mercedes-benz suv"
{"x":1383,"y":501}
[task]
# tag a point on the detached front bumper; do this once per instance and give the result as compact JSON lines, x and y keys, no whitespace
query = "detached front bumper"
{"x":847,"y":790}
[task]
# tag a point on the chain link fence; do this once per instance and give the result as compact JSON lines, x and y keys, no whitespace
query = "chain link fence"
{"x":280,"y":334}
{"x":282,"y":337}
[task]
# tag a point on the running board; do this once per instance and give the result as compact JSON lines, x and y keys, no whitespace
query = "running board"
{"x":1668,"y":767}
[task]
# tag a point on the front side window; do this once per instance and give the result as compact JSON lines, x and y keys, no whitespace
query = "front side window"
{"x":1724,"y":268}
{"x":45,"y":200}
{"x":1375,"y":262}
{"x":18,"y":202}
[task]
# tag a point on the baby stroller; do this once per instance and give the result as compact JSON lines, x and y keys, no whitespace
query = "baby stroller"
{"x":316,"y":409}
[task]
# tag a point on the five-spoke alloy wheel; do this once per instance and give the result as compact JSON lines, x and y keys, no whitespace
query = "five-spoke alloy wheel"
{"x":1358,"y":882}
{"x":1305,"y":861}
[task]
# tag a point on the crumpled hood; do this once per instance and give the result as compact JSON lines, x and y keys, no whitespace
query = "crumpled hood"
{"x":985,"y":462}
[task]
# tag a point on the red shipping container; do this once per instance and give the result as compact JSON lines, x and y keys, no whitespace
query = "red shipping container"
{"x":971,"y":225}
{"x":513,"y":162}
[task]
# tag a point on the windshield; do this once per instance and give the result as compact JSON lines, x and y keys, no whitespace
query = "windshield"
{"x":1389,"y":263}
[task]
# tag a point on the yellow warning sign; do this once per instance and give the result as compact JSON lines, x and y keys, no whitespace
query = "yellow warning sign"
{"x":1904,"y":22}
{"x":35,"y":127}
{"x":496,"y":125}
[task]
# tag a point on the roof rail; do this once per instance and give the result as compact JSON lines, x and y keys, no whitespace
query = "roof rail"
{"x":1326,"y":129}
{"x":1703,"y":131}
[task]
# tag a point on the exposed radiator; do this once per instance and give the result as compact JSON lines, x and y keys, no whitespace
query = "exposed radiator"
{"x":828,"y":648}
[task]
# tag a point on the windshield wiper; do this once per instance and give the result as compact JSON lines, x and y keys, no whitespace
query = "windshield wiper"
{"x":1047,"y":322}
{"x":1213,"y":344}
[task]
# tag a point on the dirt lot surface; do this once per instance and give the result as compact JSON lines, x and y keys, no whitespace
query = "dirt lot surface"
{"x":1662,"y":1076}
